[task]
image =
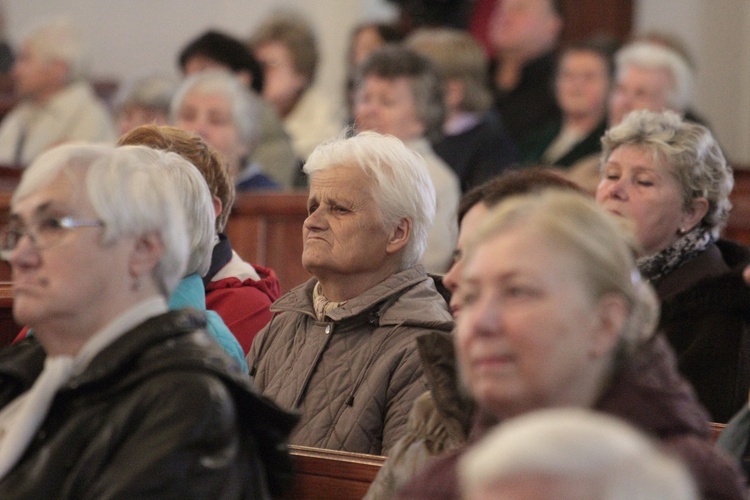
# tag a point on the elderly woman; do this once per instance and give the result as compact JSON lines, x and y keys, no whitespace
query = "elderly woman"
{"x":217,"y":106}
{"x":554,"y":314}
{"x":340,"y":348}
{"x":240,"y":292}
{"x":398,"y":92}
{"x":669,"y":179}
{"x":115,"y":396}
{"x":143,"y":101}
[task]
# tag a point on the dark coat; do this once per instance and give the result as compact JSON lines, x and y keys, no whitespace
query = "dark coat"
{"x":646,"y":392}
{"x":160,"y":413}
{"x":532,"y":102}
{"x":537,"y":143}
{"x":479,"y":153}
{"x":705,"y":315}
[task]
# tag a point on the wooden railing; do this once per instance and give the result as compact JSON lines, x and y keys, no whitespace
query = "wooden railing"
{"x":329,"y":474}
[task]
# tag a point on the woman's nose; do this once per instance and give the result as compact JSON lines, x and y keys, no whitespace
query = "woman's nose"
{"x":314,"y":220}
{"x":485,"y":317}
{"x":24,"y":254}
{"x":617,"y":189}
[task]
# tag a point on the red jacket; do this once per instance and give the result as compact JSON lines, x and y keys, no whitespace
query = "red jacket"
{"x":244,"y":304}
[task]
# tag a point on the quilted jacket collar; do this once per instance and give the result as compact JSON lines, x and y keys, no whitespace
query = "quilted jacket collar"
{"x":414,"y":312}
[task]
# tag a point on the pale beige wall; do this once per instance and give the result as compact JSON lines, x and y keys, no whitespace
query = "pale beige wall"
{"x":136,"y":37}
{"x":717,"y":33}
{"x":133,"y":37}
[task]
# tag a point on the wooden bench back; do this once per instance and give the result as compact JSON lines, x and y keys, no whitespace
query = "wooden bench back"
{"x":266,"y":229}
{"x":330,"y":474}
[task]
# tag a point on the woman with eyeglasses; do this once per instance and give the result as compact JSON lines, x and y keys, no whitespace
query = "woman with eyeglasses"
{"x":115,"y":396}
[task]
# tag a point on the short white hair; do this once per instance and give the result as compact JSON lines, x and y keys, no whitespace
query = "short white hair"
{"x":654,"y":56}
{"x":59,"y":40}
{"x":197,"y":204}
{"x":128,"y":193}
{"x":600,"y":454}
{"x":245,"y":104}
{"x":402,"y":184}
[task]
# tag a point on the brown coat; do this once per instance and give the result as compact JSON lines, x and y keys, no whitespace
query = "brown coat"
{"x":646,"y":392}
{"x":354,"y":377}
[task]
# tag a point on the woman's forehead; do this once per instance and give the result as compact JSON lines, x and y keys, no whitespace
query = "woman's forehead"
{"x":65,"y":190}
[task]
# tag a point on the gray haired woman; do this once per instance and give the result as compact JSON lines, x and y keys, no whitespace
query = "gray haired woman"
{"x":668,"y":178}
{"x":114,"y":396}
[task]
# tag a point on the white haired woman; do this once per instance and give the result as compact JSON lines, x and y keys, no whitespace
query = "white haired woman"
{"x":217,"y":106}
{"x":114,"y":395}
{"x":340,"y":348}
{"x":554,"y":314}
{"x":669,"y":179}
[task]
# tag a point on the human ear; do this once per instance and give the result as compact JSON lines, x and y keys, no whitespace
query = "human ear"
{"x":692,"y":216}
{"x":399,"y":236}
{"x":147,"y":251}
{"x":611,"y":314}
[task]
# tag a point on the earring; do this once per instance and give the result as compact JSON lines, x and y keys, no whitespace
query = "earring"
{"x":136,"y":283}
{"x":681,"y":230}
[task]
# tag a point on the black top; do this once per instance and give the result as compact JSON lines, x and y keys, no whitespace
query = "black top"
{"x":480,"y":153}
{"x":532,"y":102}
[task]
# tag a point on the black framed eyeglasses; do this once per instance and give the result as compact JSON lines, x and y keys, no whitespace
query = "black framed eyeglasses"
{"x":43,"y":233}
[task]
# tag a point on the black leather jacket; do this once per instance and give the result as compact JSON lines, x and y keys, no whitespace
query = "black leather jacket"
{"x":160,"y":413}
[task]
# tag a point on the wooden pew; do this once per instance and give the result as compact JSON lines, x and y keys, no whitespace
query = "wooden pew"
{"x":266,"y":229}
{"x":330,"y":474}
{"x":738,"y":225}
{"x":8,"y":327}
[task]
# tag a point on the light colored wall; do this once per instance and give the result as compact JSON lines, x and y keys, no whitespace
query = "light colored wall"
{"x":130,"y":38}
{"x":134,"y":37}
{"x":716,"y":33}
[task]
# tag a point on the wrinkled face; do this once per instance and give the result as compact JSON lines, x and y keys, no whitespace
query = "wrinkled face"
{"x":33,"y":76}
{"x":527,"y":325}
{"x":637,"y":186}
{"x":582,"y":84}
{"x":210,"y":116}
{"x":388,"y":106}
{"x":78,"y":281}
{"x":344,"y":234}
{"x":282,"y":83}
{"x":639,"y":88}
{"x":522,"y":25}
{"x":452,"y":278}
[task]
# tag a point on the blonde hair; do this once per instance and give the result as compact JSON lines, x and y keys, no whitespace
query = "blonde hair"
{"x":596,"y":241}
{"x":688,"y":150}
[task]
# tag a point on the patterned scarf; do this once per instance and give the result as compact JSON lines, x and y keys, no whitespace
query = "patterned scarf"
{"x":653,"y":267}
{"x":321,"y":304}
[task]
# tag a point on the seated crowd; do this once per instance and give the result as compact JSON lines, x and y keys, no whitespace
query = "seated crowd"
{"x":519,"y":288}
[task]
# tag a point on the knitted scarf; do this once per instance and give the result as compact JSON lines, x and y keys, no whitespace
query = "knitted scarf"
{"x":655,"y":266}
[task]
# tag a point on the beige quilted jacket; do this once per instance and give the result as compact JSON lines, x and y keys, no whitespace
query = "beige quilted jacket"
{"x":353,"y":378}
